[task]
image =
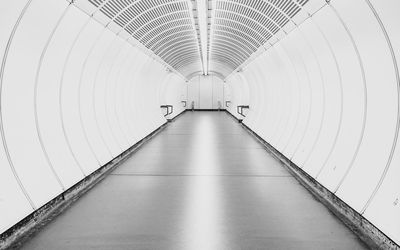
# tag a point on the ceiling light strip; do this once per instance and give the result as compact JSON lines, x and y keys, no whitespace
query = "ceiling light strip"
{"x":202,"y":14}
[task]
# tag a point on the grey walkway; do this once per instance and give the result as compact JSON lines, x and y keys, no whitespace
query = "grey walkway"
{"x":203,"y":183}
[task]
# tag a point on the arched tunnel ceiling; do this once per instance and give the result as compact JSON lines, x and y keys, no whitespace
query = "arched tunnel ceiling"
{"x":170,"y":28}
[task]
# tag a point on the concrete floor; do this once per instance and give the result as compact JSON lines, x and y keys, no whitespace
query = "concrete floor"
{"x":203,"y":183}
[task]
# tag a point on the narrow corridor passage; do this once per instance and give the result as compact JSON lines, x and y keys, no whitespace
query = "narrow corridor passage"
{"x":202,"y":183}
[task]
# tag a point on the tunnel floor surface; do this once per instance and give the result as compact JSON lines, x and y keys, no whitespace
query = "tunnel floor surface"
{"x":202,"y":183}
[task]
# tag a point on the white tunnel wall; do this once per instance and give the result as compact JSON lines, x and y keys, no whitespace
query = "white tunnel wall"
{"x":327,"y":97}
{"x":236,"y":93}
{"x":73,"y":96}
{"x":173,"y":91}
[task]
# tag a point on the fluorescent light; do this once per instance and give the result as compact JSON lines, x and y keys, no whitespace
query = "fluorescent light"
{"x":202,"y":12}
{"x":212,"y":20}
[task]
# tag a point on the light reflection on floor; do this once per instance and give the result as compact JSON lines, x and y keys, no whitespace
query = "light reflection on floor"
{"x":203,"y":204}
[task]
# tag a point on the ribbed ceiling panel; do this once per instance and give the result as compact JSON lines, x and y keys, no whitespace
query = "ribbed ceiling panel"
{"x":240,"y":27}
{"x":236,"y":29}
{"x":164,"y":26}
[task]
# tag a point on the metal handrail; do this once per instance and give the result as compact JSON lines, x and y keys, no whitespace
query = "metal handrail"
{"x":240,"y":109}
{"x":168,"y":109}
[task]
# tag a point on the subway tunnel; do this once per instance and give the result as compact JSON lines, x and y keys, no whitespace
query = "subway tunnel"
{"x":199,"y":124}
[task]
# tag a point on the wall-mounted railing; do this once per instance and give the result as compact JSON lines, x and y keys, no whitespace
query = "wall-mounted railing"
{"x":240,"y":109}
{"x":170,"y":109}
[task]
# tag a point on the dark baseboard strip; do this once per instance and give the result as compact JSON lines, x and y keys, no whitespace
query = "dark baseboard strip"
{"x":16,"y":235}
{"x":364,"y":229}
{"x":177,"y":116}
{"x":234,"y":117}
{"x":206,"y":110}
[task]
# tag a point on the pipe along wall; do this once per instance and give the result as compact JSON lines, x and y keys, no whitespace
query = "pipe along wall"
{"x":74,"y":95}
{"x":327,"y":97}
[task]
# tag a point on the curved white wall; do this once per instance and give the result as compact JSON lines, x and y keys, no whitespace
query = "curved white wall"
{"x":327,"y":97}
{"x":74,"y":95}
{"x":172,"y":91}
